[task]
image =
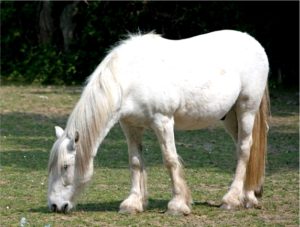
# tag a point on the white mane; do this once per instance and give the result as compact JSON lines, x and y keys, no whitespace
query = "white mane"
{"x":91,"y":116}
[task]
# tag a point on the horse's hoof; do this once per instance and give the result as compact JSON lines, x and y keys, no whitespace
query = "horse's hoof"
{"x":225,"y":206}
{"x":178,"y":209}
{"x":129,"y":210}
{"x":131,"y":205}
{"x":250,"y":205}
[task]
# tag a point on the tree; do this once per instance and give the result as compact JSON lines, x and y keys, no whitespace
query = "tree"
{"x":67,"y":24}
{"x":46,"y":22}
{"x":63,"y":41}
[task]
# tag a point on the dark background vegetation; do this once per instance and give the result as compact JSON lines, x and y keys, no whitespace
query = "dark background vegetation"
{"x":56,"y":42}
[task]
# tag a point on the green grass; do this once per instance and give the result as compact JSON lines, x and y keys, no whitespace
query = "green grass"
{"x":28,"y":117}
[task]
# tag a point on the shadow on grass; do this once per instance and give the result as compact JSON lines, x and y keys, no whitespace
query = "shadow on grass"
{"x":154,"y":205}
{"x":26,"y":140}
{"x":100,"y":207}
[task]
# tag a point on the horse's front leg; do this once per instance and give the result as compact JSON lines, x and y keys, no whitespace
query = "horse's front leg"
{"x":137,"y":199}
{"x":181,"y":201}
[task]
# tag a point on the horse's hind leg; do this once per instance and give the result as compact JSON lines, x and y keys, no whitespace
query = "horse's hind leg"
{"x":235,"y":197}
{"x":231,"y":124}
{"x":137,"y":199}
{"x":181,"y":201}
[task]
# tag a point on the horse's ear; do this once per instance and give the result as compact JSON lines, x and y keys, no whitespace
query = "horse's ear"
{"x":58,"y":131}
{"x":76,"y":137}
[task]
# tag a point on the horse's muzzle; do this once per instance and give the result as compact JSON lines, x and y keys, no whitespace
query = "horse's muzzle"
{"x":63,"y":209}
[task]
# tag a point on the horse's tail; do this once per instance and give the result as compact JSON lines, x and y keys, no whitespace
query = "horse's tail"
{"x":256,"y":165}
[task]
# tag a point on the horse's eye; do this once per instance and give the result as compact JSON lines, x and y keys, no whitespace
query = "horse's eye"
{"x":65,"y":167}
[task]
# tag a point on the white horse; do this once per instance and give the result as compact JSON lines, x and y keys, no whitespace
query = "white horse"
{"x":151,"y":82}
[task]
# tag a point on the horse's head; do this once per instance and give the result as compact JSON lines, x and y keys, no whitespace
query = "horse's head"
{"x":63,"y":183}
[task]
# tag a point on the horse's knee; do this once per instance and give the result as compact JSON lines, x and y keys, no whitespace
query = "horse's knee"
{"x":171,"y":161}
{"x":244,"y":148}
{"x":136,"y":163}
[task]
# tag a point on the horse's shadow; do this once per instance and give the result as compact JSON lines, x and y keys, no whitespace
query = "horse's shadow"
{"x":154,"y":205}
{"x":85,"y":207}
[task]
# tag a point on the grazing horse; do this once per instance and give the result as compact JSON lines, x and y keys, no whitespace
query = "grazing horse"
{"x":151,"y":82}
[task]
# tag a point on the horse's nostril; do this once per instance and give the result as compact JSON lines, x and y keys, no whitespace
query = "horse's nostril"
{"x":53,"y":207}
{"x":65,"y":208}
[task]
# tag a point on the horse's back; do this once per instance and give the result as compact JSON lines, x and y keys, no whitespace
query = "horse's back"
{"x":201,"y":57}
{"x":197,"y":80}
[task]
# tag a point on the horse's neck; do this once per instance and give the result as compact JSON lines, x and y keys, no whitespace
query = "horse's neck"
{"x":93,"y":117}
{"x":110,"y":123}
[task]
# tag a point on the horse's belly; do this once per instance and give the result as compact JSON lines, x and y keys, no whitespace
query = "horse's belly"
{"x":198,"y":118}
{"x":188,"y":123}
{"x":201,"y":109}
{"x":191,"y":119}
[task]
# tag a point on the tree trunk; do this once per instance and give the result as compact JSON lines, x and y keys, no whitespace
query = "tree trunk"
{"x":46,"y":23}
{"x":67,"y":24}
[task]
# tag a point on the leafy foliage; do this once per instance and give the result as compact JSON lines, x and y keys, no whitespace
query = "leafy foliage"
{"x":98,"y":25}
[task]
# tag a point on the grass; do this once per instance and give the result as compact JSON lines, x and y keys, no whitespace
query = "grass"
{"x":28,"y":117}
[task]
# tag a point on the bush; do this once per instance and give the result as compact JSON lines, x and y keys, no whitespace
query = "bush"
{"x":42,"y":65}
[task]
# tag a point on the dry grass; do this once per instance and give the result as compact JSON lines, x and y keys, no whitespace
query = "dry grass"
{"x":28,"y":115}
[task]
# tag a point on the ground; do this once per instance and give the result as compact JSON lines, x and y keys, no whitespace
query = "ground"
{"x":28,"y":117}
